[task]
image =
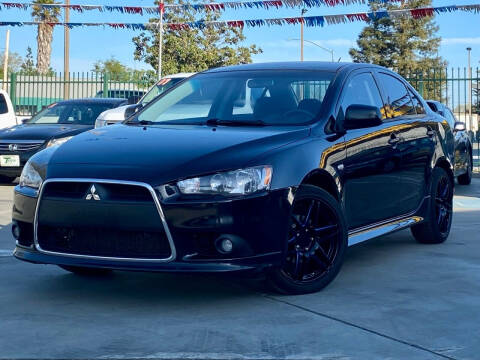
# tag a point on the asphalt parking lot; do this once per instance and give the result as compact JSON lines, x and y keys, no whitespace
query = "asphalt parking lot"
{"x":394,"y":299}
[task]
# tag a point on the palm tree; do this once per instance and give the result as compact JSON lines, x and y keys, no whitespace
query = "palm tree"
{"x":45,"y":33}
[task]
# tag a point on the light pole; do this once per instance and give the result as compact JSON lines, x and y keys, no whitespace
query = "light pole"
{"x":5,"y":61}
{"x":470,"y":122}
{"x":317,"y":45}
{"x":304,"y":11}
{"x":160,"y":40}
{"x":66,"y":51}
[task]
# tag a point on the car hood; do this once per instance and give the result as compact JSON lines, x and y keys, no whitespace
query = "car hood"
{"x":41,"y":132}
{"x":162,"y":154}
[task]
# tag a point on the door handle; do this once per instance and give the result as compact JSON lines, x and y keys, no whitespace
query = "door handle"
{"x":431,"y":133}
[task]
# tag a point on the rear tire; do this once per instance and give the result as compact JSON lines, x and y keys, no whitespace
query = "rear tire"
{"x":436,"y":228}
{"x":316,"y":244}
{"x":466,"y":179}
{"x":84,"y":271}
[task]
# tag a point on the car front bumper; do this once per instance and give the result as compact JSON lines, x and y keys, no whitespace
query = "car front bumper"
{"x":257,"y":226}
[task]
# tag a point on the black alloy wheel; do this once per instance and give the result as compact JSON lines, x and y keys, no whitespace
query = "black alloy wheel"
{"x":444,"y":205}
{"x":466,"y":179}
{"x":436,"y":227}
{"x":316,"y":243}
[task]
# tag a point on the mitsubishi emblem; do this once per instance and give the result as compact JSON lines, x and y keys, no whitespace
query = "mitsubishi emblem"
{"x":93,"y":194}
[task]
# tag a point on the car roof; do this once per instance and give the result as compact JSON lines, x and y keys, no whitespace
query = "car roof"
{"x":295,"y":65}
{"x":179,"y":76}
{"x":94,"y":101}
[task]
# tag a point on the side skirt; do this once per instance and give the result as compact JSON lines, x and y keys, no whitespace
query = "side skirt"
{"x":361,"y":235}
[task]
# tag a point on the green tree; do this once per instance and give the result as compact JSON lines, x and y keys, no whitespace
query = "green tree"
{"x":113,"y":67}
{"x":192,"y":50}
{"x":44,"y":33}
{"x":14,"y":62}
{"x":403,"y":44}
{"x":28,"y":64}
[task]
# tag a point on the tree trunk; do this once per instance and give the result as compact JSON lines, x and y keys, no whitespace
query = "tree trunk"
{"x":44,"y":50}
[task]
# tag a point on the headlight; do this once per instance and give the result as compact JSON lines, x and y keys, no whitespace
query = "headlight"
{"x":30,"y":177}
{"x":58,"y":142}
{"x":239,"y":182}
{"x":100,"y":123}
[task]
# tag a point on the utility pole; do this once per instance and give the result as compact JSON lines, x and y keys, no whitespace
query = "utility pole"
{"x":470,"y":118}
{"x":160,"y":39}
{"x":304,"y":11}
{"x":5,"y":60}
{"x":66,"y":52}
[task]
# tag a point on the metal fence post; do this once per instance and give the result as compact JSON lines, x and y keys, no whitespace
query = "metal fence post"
{"x":13,"y":90}
{"x":106,"y":81}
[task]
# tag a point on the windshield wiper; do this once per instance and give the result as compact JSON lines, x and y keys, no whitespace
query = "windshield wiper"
{"x":219,"y":122}
{"x":141,"y":122}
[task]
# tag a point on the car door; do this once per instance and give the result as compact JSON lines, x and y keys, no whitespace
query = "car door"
{"x":7,"y":114}
{"x":369,"y":168}
{"x":416,"y":134}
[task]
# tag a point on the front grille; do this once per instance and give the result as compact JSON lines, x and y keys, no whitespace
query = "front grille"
{"x":20,"y":147}
{"x":122,"y":221}
{"x":100,"y":242}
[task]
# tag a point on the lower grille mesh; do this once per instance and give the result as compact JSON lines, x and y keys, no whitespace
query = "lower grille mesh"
{"x":104,"y":242}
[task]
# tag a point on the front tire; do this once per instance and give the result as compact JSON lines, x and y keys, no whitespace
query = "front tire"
{"x":316,"y":244}
{"x":436,"y":228}
{"x":84,"y":271}
{"x":466,"y":179}
{"x":6,"y":179}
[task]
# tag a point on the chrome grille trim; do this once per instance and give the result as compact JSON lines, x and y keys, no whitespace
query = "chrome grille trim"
{"x":21,"y":145}
{"x":161,"y":214}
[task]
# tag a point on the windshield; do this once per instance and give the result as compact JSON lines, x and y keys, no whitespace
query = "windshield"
{"x":242,"y":97}
{"x":73,"y":114}
{"x":162,"y":86}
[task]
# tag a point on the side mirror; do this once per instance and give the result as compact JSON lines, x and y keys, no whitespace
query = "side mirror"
{"x":132,"y":110}
{"x":133,"y":99}
{"x":460,"y":126}
{"x":361,"y":117}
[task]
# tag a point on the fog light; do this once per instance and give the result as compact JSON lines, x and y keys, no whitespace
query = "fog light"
{"x":226,"y":246}
{"x":16,"y":231}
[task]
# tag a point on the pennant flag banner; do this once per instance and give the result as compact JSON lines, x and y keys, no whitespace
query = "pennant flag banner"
{"x":141,"y":10}
{"x":312,"y":21}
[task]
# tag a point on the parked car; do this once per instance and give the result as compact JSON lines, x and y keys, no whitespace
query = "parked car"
{"x":120,"y":114}
{"x":463,"y":163}
{"x":331,"y":155}
{"x":131,"y":95}
{"x":53,"y":126}
{"x":7,"y":112}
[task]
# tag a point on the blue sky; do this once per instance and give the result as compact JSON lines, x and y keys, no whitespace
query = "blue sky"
{"x":90,"y":44}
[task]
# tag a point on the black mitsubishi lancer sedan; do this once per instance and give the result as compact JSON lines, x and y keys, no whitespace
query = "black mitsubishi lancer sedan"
{"x":274,"y":168}
{"x":53,"y":126}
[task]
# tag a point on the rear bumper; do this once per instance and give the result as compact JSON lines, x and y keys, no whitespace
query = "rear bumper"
{"x":256,"y":225}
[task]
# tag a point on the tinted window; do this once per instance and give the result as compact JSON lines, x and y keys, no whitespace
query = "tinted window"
{"x":399,"y":100}
{"x":73,"y":113}
{"x":3,"y":105}
{"x":417,"y":104}
{"x":273,"y":97}
{"x":362,"y":90}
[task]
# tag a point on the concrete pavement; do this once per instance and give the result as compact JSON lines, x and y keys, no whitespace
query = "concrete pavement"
{"x":394,"y":299}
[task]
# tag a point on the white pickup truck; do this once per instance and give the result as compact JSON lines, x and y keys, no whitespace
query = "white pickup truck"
{"x":7,"y":112}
